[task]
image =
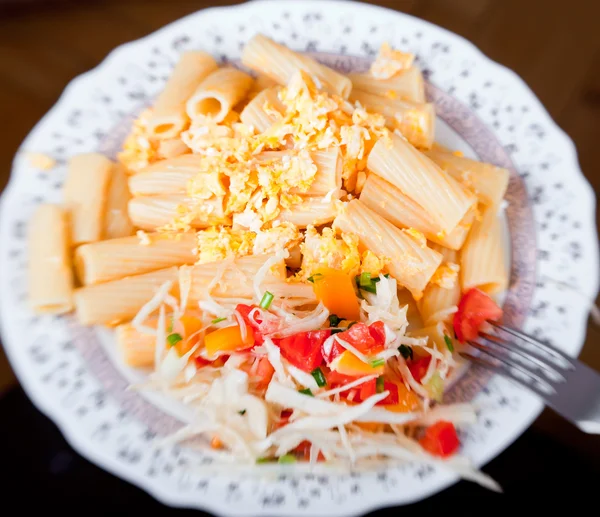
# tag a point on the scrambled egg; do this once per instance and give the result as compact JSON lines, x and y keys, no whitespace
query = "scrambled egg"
{"x":446,"y":275}
{"x":389,"y":62}
{"x":224,"y":242}
{"x":138,"y":150}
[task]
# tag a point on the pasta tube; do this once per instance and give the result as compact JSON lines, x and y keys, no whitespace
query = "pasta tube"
{"x":120,"y":300}
{"x":117,"y":258}
{"x":85,"y":194}
{"x":263,"y":111}
{"x":218,"y":94}
{"x":416,"y":121}
{"x":50,"y":274}
{"x":311,"y":211}
{"x":487,"y":181}
{"x":408,"y":85}
{"x":168,"y":114}
{"x":116,"y":218}
{"x":482,"y":261}
{"x":279,"y":63}
{"x":442,"y":197}
{"x":389,"y":202}
{"x":150,"y":213}
{"x":441,"y":296}
{"x":412,"y":263}
{"x":135,"y":348}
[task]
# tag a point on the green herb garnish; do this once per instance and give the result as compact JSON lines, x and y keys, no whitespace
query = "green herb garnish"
{"x":336,"y":331}
{"x":319,"y":377}
{"x":287,"y":458}
{"x":379,"y":384}
{"x":218,"y":320}
{"x":265,"y":460}
{"x":375,"y":363}
{"x":316,"y":276}
{"x":334,"y":320}
{"x":242,"y":412}
{"x":449,"y":343}
{"x":306,"y":391}
{"x":173,"y":339}
{"x":267,"y":300}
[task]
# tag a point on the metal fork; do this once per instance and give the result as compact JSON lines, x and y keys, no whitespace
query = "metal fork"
{"x":565,"y":384}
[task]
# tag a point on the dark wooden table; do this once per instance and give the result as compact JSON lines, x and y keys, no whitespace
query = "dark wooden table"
{"x":553,"y":44}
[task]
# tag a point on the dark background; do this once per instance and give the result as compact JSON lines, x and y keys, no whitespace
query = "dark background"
{"x":554,"y":45}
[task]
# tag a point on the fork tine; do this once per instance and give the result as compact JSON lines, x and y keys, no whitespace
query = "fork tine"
{"x":549,"y":369}
{"x":506,"y":372}
{"x":548,"y":349}
{"x":505,"y":360}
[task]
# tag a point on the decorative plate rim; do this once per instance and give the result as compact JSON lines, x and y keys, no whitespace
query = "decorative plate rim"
{"x":130,"y":474}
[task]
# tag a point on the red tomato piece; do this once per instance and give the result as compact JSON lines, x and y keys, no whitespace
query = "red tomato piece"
{"x":335,"y":379}
{"x":303,"y":350}
{"x":418,"y":367}
{"x":359,"y":336}
{"x":201,"y":362}
{"x":377,"y":331}
{"x":302,"y":451}
{"x":264,"y":372}
{"x":368,"y":389}
{"x":440,"y":439}
{"x":474,"y":308}
{"x":331,"y":351}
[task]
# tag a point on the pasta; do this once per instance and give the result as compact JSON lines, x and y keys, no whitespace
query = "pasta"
{"x":482,"y":262}
{"x":313,"y":257}
{"x":263,"y":111}
{"x":85,"y":193}
{"x":413,"y":262}
{"x":152,"y":212}
{"x":169,"y":118}
{"x":420,"y":179}
{"x":440,"y":298}
{"x":117,"y":258}
{"x":116,"y":219}
{"x":114,"y":302}
{"x":279,"y":63}
{"x":50,"y":274}
{"x":407,"y":85}
{"x":416,"y":121}
{"x":218,"y":94}
{"x":389,"y":202}
{"x":487,"y":181}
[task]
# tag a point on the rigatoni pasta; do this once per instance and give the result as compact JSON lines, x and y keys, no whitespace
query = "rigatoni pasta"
{"x":116,"y":217}
{"x":135,"y":348}
{"x":311,"y":211}
{"x":482,"y":262}
{"x":50,"y":273}
{"x":85,"y":193}
{"x":169,"y":118}
{"x":407,"y":85}
{"x":117,"y":258}
{"x":419,"y":178}
{"x":413,"y":263}
{"x":263,"y":110}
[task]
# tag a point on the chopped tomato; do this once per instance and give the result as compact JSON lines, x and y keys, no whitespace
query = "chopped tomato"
{"x":474,"y":308}
{"x":228,"y":339}
{"x":377,"y":331}
{"x":332,"y":350}
{"x":418,"y":367}
{"x":440,"y":439}
{"x":303,"y":350}
{"x":302,"y":450}
{"x":336,"y":290}
{"x":336,"y":379}
{"x":368,"y":389}
{"x":361,"y":338}
{"x":201,"y":362}
{"x":264,"y":372}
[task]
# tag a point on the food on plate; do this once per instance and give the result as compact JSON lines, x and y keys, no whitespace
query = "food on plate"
{"x":285,"y":250}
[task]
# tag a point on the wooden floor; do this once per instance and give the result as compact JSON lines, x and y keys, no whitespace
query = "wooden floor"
{"x":553,"y":44}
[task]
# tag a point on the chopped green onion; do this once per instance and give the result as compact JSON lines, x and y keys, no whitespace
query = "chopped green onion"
{"x":319,"y":377}
{"x":287,"y":458}
{"x":218,"y":320}
{"x":365,"y":279}
{"x":316,"y":276}
{"x":387,"y":275}
{"x":449,"y":343}
{"x":265,"y":460}
{"x":377,"y":362}
{"x":336,"y":331}
{"x":334,"y":320}
{"x":352,"y":323}
{"x":242,"y":412}
{"x":173,"y":339}
{"x":371,"y":289}
{"x":379,"y":384}
{"x":306,"y":391}
{"x":405,"y":351}
{"x":267,"y":300}
{"x":171,"y":323}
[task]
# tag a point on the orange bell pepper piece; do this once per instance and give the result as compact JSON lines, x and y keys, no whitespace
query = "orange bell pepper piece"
{"x":336,"y":290}
{"x":407,"y":401}
{"x":227,"y":340}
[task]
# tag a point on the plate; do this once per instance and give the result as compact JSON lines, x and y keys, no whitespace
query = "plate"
{"x":484,"y":109}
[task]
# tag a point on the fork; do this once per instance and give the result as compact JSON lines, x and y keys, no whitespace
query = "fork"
{"x":565,"y":384}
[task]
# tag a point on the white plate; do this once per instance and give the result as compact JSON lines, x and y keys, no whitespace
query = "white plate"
{"x":486,"y":109}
